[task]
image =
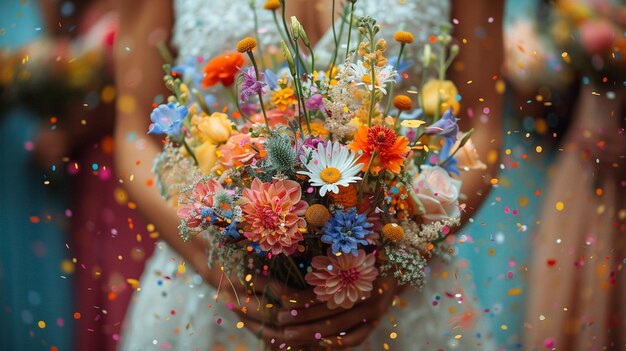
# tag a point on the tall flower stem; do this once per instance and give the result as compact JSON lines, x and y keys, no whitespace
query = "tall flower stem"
{"x":366,"y":174}
{"x":256,"y":32}
{"x":195,"y":160}
{"x":300,"y":92}
{"x":393,"y":86}
{"x":350,"y":27}
{"x":312,"y":57}
{"x":291,"y":41}
{"x":332,"y":63}
{"x":373,"y":69}
{"x":282,"y":34}
{"x":341,"y":28}
{"x":256,"y":71}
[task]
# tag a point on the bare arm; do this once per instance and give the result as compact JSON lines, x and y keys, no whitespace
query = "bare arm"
{"x":138,"y":76}
{"x":479,"y":60}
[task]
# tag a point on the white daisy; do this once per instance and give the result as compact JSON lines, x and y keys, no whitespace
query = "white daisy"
{"x":330,"y":166}
{"x":362,"y":75}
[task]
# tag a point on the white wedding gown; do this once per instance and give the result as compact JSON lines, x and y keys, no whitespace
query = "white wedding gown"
{"x":178,"y":311}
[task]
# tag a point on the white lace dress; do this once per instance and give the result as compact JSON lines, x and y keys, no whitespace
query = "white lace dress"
{"x":176,"y":310}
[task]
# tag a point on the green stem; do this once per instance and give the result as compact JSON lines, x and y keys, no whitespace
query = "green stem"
{"x":393,"y":85}
{"x":289,"y":37}
{"x":256,"y":32}
{"x":201,"y":101}
{"x":190,"y":152}
{"x":312,"y":57}
{"x":256,"y":71}
{"x":235,"y":99}
{"x":373,"y":68}
{"x":366,"y":174}
{"x":332,"y":63}
{"x":350,"y":28}
{"x":341,"y":28}
{"x":280,"y":31}
{"x":461,"y":144}
{"x":302,"y":102}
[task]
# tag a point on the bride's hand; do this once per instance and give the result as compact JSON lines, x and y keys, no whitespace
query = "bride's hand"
{"x":300,"y":324}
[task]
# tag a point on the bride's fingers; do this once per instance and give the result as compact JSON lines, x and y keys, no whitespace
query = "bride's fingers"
{"x":286,"y":316}
{"x":335,"y":325}
{"x":271,"y":336}
{"x":354,"y":338}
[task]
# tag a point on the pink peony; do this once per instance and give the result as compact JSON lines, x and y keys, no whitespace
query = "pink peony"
{"x":342,"y":280}
{"x":273,"y":212}
{"x":201,"y":197}
{"x":438,"y":193}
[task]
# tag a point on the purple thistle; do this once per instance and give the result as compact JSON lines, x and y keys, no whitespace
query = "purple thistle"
{"x":250,"y":85}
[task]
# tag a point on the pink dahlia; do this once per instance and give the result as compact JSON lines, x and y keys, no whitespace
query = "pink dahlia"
{"x":342,"y":280}
{"x":274,"y":214}
{"x":195,"y":207}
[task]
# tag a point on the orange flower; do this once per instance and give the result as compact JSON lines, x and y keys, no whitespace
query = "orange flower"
{"x":222,"y":69}
{"x":284,"y":98}
{"x":390,"y":148}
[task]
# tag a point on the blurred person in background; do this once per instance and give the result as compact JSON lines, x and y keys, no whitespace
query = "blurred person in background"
{"x":67,"y":74}
{"x":577,"y":275}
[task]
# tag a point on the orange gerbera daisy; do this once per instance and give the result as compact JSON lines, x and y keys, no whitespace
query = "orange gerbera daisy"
{"x":222,"y":69}
{"x":391,"y":149}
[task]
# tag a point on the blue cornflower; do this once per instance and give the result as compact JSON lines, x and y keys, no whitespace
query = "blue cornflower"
{"x":168,"y":119}
{"x":446,"y":126}
{"x":231,"y":230}
{"x":345,"y":230}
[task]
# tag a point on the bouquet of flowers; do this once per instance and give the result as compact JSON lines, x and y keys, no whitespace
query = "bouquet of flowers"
{"x":312,"y":178}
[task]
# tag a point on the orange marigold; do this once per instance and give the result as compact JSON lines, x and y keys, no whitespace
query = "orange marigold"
{"x":246,"y":44}
{"x":404,"y":37}
{"x":391,"y":149}
{"x":347,"y":196}
{"x":271,"y":5}
{"x":284,"y":98}
{"x":403,"y":103}
{"x":222,"y":69}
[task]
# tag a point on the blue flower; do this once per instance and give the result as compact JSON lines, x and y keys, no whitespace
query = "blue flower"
{"x":345,"y":230}
{"x":403,"y":66}
{"x":452,"y":165}
{"x":167,"y":119}
{"x":446,"y":126}
{"x":271,"y":80}
{"x":190,"y":73}
{"x":231,"y":230}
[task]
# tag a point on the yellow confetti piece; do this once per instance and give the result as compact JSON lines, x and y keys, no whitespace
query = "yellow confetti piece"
{"x":41,"y":324}
{"x":515,"y":291}
{"x":504,"y":327}
{"x":134,"y":283}
{"x":559,"y":206}
{"x":393,"y":335}
{"x":538,"y":149}
{"x":239,"y":325}
{"x":181,"y":268}
{"x":412,"y":123}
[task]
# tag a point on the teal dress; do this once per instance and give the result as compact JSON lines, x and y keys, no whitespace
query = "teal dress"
{"x":497,"y":243}
{"x":35,"y":267}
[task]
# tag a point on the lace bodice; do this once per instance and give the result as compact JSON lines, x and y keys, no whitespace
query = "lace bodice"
{"x":204,"y":30}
